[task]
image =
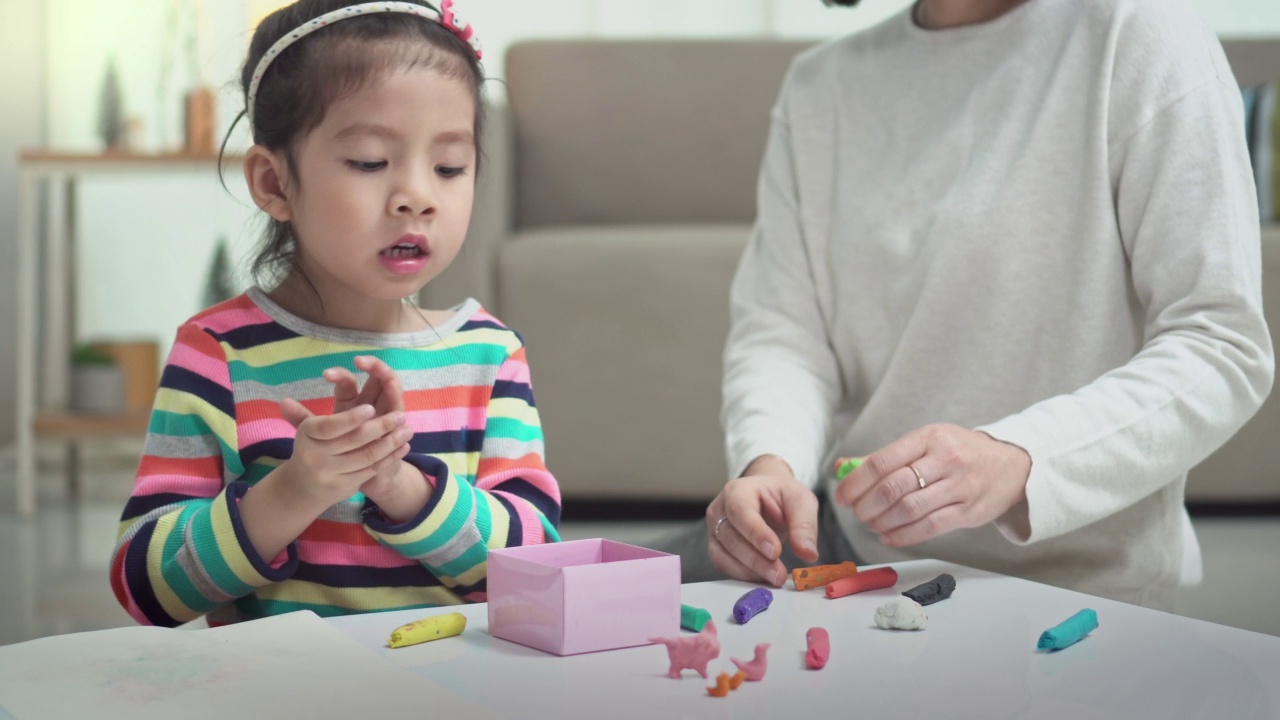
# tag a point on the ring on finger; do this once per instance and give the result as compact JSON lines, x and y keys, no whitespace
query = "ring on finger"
{"x":919,"y":477}
{"x":718,"y":524}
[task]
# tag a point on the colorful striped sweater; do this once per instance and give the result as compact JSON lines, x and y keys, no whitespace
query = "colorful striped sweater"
{"x":216,"y":430}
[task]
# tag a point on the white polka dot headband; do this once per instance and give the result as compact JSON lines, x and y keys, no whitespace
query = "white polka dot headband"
{"x":446,"y":16}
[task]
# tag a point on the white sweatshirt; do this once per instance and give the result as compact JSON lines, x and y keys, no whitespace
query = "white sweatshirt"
{"x":1043,"y":227}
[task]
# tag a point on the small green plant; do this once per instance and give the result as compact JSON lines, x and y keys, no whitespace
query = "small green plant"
{"x":86,"y":354}
{"x":219,"y":285}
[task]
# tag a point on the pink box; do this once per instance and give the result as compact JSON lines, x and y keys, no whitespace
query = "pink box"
{"x":583,"y":596}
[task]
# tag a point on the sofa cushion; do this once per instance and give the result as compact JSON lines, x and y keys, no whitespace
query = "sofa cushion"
{"x":625,"y":329}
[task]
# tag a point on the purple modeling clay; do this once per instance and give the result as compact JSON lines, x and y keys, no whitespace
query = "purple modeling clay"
{"x":753,"y":603}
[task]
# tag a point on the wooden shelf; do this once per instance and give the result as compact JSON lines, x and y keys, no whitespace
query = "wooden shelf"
{"x":152,"y":158}
{"x":71,"y":424}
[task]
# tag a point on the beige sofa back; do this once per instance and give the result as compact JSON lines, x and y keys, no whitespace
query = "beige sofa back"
{"x":641,"y":132}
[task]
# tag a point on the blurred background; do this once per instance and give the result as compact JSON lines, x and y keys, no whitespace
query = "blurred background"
{"x":110,"y":112}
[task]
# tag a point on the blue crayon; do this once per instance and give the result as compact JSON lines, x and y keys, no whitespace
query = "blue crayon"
{"x":753,"y":603}
{"x":1069,"y":632}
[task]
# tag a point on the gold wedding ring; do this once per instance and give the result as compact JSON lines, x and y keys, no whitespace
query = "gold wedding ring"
{"x":919,"y":477}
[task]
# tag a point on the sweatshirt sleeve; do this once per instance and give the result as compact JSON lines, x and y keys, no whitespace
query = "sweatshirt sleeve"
{"x":1187,"y":213}
{"x":182,"y":550}
{"x":781,"y":381}
{"x":514,"y":501}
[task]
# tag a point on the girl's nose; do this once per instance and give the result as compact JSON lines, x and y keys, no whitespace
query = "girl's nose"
{"x":415,"y":197}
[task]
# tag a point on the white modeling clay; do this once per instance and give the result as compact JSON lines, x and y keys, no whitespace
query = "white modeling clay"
{"x":901,"y":613}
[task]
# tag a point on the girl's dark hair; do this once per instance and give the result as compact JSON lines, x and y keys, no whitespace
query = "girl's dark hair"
{"x":321,"y":68}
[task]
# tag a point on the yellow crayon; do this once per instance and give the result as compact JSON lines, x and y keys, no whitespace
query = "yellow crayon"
{"x":432,"y":628}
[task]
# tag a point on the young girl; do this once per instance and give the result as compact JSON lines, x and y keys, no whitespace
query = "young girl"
{"x":271,"y":480}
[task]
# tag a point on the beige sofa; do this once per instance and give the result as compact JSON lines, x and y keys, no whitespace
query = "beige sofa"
{"x":617,"y":192}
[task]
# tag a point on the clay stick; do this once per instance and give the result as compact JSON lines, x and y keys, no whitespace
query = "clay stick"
{"x":818,"y":643}
{"x":939,"y":588}
{"x":754,"y":602}
{"x":862,"y":581}
{"x":1069,"y":631}
{"x":693,"y":618}
{"x":819,"y":575}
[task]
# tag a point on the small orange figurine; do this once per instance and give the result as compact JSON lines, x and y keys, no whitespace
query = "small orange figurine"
{"x":737,"y":679}
{"x":722,"y":686}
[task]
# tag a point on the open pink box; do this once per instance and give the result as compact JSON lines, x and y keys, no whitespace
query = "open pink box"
{"x":583,"y":596}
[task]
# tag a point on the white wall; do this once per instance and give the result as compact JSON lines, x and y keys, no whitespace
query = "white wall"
{"x":22,"y":102}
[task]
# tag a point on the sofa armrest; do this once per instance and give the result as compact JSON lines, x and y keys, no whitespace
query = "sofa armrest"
{"x":474,"y":271}
{"x":1247,"y":468}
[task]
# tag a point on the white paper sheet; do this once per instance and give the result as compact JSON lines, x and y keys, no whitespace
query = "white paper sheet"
{"x":288,"y":666}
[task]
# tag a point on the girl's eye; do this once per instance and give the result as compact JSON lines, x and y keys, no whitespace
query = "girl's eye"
{"x":449,"y":172}
{"x":367,"y":165}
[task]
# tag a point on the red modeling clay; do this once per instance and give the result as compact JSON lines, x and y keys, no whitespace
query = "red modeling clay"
{"x":819,"y":643}
{"x":862,"y":581}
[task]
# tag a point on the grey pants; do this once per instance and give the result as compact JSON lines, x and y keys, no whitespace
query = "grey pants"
{"x":695,"y":562}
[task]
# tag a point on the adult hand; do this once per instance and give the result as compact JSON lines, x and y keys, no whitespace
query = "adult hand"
{"x":933,"y":480}
{"x":334,"y":455}
{"x":748,"y":520}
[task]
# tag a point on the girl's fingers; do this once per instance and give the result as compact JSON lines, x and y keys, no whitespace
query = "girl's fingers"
{"x":369,"y":455}
{"x":346,"y":388}
{"x":331,"y":427}
{"x":375,"y":428}
{"x":384,"y":468}
{"x":294,"y":412}
{"x":384,"y":381}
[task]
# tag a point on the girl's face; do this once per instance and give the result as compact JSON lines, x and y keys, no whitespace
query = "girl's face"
{"x":387,"y":184}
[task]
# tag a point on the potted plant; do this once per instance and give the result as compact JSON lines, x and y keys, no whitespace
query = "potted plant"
{"x":97,"y":382}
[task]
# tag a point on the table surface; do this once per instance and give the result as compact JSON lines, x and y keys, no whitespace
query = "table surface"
{"x":975,"y":659}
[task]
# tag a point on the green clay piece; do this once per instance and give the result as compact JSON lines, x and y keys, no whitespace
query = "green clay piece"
{"x":693,"y":618}
{"x":1069,"y":632}
{"x":846,"y":466}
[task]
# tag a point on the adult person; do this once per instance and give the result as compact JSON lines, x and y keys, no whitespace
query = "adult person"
{"x":1008,"y":252}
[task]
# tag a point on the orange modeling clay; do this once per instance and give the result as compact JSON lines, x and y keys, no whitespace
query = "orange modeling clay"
{"x":819,"y":575}
{"x":722,"y":686}
{"x":861,"y":582}
{"x":737,"y":679}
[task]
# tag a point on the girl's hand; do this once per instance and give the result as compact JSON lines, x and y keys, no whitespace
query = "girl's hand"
{"x":382,"y":390}
{"x":334,"y":455}
{"x":934,"y":480}
{"x":748,"y":521}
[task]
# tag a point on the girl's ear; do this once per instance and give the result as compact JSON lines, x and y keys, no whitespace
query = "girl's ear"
{"x":266,"y":172}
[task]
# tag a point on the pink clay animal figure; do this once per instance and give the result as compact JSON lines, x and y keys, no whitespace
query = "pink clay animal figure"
{"x":692,"y":651}
{"x":758,"y":664}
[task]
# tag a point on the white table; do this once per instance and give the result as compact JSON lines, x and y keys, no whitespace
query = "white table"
{"x":976,"y":659}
